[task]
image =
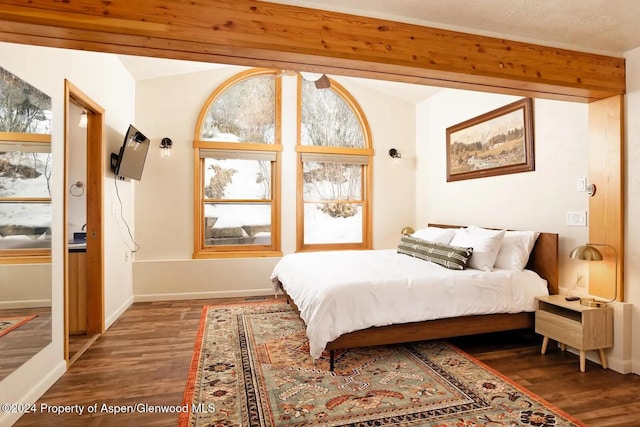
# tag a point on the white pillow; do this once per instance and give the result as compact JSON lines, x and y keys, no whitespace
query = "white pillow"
{"x":485,"y":244}
{"x":435,"y":234}
{"x":515,"y":249}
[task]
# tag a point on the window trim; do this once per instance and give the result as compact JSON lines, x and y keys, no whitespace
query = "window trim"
{"x":367,"y":174}
{"x":201,"y":251}
{"x":25,"y":256}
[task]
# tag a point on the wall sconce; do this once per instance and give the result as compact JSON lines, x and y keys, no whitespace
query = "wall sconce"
{"x":165,"y":147}
{"x":589,"y":253}
{"x":407,"y":230}
{"x":394,"y":154}
{"x":83,"y":120}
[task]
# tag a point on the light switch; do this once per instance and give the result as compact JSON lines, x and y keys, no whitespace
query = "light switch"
{"x":582,"y":184}
{"x":578,"y":218}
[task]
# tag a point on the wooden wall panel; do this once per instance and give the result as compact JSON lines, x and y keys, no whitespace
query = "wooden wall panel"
{"x":606,"y":207}
{"x":257,"y":33}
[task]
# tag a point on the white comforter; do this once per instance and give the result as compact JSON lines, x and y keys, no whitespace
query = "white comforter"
{"x":343,"y":291}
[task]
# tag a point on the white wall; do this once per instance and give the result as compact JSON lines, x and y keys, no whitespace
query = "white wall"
{"x":536,"y":200}
{"x":632,"y":235}
{"x":25,"y":285}
{"x":118,"y":214}
{"x":169,"y":107}
{"x":104,"y":79}
{"x":77,"y":172}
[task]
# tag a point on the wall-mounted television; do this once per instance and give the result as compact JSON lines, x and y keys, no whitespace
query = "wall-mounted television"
{"x":129,"y":163}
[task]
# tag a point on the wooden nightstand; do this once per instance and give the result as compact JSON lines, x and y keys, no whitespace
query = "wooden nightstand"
{"x":574,"y":325}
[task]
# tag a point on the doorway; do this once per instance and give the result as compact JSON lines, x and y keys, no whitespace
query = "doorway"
{"x":83,"y":222}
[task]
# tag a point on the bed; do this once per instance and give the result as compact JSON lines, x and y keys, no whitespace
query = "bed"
{"x":344,"y":306}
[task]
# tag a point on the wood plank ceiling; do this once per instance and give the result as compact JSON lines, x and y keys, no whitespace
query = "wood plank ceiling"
{"x":256,"y":33}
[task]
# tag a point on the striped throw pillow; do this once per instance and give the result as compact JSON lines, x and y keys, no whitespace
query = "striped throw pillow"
{"x":452,"y":257}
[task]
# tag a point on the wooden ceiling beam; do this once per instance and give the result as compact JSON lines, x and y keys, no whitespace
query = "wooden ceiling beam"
{"x":257,"y":33}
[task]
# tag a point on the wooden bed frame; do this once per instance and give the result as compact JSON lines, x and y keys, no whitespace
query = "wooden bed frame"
{"x":543,"y":260}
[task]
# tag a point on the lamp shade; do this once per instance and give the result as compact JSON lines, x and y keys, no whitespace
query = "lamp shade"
{"x":586,"y":253}
{"x":407,"y":230}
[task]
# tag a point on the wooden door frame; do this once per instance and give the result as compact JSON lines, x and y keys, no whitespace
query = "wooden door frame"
{"x":95,"y":221}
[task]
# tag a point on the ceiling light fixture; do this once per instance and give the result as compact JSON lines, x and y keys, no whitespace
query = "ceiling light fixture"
{"x":311,"y":77}
{"x":320,"y":80}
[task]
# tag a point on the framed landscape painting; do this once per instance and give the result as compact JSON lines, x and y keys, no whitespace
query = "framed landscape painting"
{"x":496,"y":143}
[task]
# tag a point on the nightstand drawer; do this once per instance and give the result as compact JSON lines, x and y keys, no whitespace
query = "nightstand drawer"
{"x":564,"y":330}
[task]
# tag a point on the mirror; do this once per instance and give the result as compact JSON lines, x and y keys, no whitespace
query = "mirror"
{"x":25,"y":221}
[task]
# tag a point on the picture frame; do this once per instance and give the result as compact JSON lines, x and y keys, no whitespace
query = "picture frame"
{"x":499,"y":142}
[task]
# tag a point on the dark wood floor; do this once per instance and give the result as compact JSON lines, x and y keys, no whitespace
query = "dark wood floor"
{"x":78,"y":344}
{"x":144,"y":358}
{"x":22,"y":343}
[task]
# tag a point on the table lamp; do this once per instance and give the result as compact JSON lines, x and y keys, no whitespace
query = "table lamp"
{"x":407,"y":230}
{"x":588,"y":252}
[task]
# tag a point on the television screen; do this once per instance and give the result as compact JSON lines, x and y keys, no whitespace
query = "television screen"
{"x":133,"y":153}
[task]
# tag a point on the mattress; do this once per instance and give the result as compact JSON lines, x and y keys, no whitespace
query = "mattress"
{"x":344,"y":291}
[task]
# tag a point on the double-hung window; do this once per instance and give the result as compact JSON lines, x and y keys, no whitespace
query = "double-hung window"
{"x":334,"y":179}
{"x":237,"y":164}
{"x":25,"y":171}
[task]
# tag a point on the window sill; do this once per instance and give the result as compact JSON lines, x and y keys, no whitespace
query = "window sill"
{"x":244,"y":254}
{"x":35,"y":259}
{"x":333,"y":247}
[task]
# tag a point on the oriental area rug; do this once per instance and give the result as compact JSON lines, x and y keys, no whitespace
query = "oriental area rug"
{"x":251,"y":367}
{"x":9,"y":323}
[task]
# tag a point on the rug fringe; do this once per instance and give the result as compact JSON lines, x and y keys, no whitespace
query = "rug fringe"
{"x":187,"y":398}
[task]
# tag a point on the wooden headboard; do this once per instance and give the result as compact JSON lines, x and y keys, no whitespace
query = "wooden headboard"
{"x":543,"y":259}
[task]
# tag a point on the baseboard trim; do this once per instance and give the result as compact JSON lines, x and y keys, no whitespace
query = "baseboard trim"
{"x":619,"y":365}
{"x":116,"y":314}
{"x":35,"y":303}
{"x":31,"y":396}
{"x":613,"y":363}
{"x":202,"y":295}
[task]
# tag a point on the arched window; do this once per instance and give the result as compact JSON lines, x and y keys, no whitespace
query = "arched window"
{"x":237,"y":168}
{"x":238,"y":149}
{"x":334,"y":170}
{"x":25,"y":171}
